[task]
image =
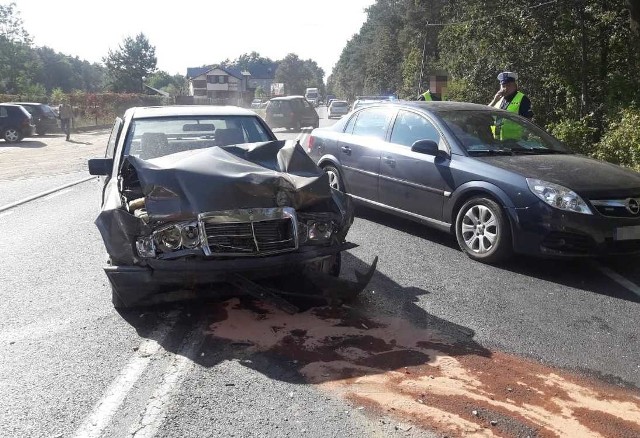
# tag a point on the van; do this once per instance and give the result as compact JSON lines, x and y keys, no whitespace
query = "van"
{"x":313,"y":96}
{"x":291,"y":112}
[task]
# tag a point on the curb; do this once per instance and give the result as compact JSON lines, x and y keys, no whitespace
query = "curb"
{"x":42,"y":194}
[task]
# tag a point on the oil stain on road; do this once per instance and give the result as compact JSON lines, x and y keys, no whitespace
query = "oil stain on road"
{"x":428,"y":377}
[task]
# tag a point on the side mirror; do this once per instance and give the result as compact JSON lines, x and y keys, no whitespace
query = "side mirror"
{"x":428,"y":147}
{"x":100,"y":166}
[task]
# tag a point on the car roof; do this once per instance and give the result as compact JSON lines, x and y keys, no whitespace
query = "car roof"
{"x":28,"y":103}
{"x":434,"y":105}
{"x":188,"y":110}
{"x":288,"y":97}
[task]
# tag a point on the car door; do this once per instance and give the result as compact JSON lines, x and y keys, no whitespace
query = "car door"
{"x":359,"y":151}
{"x":413,"y":181}
{"x":309,"y":114}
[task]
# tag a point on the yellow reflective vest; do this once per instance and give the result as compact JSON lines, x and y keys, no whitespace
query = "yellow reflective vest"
{"x":427,"y":96}
{"x":506,"y":129}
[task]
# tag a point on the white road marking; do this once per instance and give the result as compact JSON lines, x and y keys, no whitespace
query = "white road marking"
{"x":622,"y":281}
{"x":155,"y":413}
{"x":107,"y":406}
{"x":53,"y":195}
{"x":6,"y":213}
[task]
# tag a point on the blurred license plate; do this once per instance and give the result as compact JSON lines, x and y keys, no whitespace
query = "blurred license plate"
{"x":277,"y":115}
{"x":627,"y":233}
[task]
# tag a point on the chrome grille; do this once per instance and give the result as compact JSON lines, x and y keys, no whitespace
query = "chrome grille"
{"x":627,"y":207}
{"x":249,"y":232}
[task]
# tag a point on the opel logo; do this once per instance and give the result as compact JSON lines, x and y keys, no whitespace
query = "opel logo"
{"x":633,"y":206}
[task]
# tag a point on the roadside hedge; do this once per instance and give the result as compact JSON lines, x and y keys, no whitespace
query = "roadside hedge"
{"x":620,"y":144}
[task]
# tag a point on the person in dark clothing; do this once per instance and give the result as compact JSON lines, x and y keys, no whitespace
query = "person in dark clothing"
{"x":510,"y":98}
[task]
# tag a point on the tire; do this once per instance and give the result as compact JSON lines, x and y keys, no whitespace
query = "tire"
{"x":483,"y":231}
{"x":335,"y":180}
{"x":11,"y":135}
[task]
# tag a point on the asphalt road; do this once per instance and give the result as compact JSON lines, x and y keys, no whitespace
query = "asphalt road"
{"x":436,"y":344}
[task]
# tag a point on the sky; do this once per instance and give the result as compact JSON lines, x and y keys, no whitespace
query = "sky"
{"x":196,"y":33}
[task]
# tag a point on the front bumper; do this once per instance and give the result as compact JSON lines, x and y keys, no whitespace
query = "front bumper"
{"x":137,"y":284}
{"x":543,"y":230}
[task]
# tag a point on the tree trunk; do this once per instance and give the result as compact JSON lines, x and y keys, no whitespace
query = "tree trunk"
{"x":634,"y":16}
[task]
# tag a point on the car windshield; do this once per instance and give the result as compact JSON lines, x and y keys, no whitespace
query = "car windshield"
{"x":46,"y":109}
{"x":497,"y":132}
{"x":156,"y":137}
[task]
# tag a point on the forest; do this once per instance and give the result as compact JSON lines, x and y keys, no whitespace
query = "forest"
{"x":577,"y":60}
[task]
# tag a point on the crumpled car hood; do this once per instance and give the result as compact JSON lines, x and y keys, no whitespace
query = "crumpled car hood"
{"x":182,"y":185}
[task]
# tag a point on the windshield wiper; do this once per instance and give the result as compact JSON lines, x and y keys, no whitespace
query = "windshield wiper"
{"x":490,"y":151}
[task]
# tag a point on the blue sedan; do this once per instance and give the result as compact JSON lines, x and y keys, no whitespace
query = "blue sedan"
{"x":494,"y":179}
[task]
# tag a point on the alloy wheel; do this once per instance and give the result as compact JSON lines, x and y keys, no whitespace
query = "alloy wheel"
{"x":11,"y":135}
{"x":479,"y":229}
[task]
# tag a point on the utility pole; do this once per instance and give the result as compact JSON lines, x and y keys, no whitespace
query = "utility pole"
{"x":424,"y":49}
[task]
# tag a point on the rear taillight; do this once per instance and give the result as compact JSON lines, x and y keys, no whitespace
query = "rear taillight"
{"x":312,"y":140}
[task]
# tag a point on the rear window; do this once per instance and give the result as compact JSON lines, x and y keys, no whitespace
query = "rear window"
{"x":311,"y":95}
{"x":341,"y":104}
{"x":278,"y":105}
{"x":156,"y":137}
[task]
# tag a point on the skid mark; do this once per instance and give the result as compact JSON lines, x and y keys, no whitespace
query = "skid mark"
{"x":431,"y":378}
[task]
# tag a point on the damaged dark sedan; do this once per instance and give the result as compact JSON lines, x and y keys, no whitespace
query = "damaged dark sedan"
{"x":201,"y":195}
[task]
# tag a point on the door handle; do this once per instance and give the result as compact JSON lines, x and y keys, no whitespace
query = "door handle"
{"x":390,"y":161}
{"x":346,"y":150}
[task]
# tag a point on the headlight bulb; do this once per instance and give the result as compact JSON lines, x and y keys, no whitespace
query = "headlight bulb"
{"x":169,"y":237}
{"x":320,"y":230}
{"x":189,"y":236}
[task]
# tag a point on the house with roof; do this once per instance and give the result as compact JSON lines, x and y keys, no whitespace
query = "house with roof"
{"x":221,"y":85}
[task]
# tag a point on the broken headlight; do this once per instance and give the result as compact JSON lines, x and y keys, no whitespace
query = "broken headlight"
{"x":146,"y":247}
{"x":319,"y":231}
{"x":169,"y":238}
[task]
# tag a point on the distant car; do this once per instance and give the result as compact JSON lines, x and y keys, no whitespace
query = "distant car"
{"x":291,"y":112}
{"x":15,"y":123}
{"x":359,"y":103}
{"x":256,"y":103}
{"x":195,"y":195}
{"x":494,"y":179}
{"x":43,"y":116}
{"x":337,"y":108}
{"x":330,"y":97}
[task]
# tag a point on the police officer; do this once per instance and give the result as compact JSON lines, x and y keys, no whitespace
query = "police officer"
{"x":509,"y":98}
{"x":428,"y":96}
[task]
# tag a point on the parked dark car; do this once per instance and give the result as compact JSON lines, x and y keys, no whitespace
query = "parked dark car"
{"x":195,"y":194}
{"x":496,"y":180}
{"x":291,"y":112}
{"x":15,"y":123}
{"x":43,"y":116}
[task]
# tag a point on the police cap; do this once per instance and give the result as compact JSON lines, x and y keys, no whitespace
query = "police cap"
{"x":507,"y":76}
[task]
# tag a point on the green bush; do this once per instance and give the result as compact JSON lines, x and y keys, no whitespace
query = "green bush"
{"x":621,"y":141}
{"x":577,"y":135}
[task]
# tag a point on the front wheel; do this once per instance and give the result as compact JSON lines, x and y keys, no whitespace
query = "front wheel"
{"x":482,"y":230}
{"x":335,"y":182}
{"x":11,"y":135}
